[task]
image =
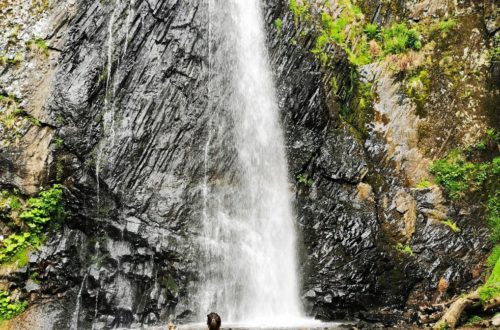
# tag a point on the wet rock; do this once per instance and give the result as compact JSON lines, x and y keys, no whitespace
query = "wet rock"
{"x":31,"y":286}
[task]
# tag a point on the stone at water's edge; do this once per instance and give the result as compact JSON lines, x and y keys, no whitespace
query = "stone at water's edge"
{"x":134,"y":242}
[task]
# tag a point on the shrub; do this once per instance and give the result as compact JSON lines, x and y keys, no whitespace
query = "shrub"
{"x":457,"y":175}
{"x":300,"y":11}
{"x":398,"y":39}
{"x":372,"y":31}
{"x":10,"y":308}
{"x":40,"y":213}
{"x":405,"y":249}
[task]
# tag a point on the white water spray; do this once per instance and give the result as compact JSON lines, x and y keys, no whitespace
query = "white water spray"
{"x":76,"y":313}
{"x":250,"y":271}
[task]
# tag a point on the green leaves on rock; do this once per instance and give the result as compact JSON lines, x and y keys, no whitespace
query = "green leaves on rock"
{"x":39,"y":215}
{"x":10,"y":308}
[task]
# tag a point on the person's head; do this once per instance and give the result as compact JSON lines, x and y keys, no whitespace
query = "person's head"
{"x":213,"y":321}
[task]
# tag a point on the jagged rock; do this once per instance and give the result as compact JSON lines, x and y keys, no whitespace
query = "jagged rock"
{"x":134,"y":130}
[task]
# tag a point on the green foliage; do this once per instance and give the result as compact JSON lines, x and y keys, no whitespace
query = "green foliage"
{"x":10,"y":200}
{"x":494,"y":256}
{"x":453,"y":226}
{"x":40,"y":212}
{"x":58,"y":141}
{"x":417,"y":87}
{"x":493,"y":208}
{"x":39,"y":45}
{"x":399,"y":39}
{"x":491,"y":289}
{"x":278,"y":23}
{"x":13,"y":245}
{"x":405,"y":249}
{"x":304,"y":179}
{"x":457,"y":175}
{"x":372,"y":31}
{"x":474,"y":319}
{"x":300,"y":11}
{"x":9,"y":308}
{"x":355,"y":113}
{"x":46,"y":207}
{"x":444,"y":26}
{"x":424,"y":184}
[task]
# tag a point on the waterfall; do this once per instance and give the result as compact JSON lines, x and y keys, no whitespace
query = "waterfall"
{"x":248,"y":249}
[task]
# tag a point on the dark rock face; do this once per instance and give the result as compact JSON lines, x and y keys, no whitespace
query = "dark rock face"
{"x":355,"y":206}
{"x":130,"y":103}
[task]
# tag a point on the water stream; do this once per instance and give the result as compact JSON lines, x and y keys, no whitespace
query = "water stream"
{"x":249,"y":271}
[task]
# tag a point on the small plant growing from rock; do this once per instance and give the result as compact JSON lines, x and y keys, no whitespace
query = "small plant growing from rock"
{"x":405,"y":249}
{"x":304,"y":179}
{"x":453,"y":226}
{"x":9,"y":308}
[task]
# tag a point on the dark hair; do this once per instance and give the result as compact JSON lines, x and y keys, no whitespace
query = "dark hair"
{"x":213,"y":318}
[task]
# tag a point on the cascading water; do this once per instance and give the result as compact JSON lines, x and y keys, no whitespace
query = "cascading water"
{"x":249,"y":271}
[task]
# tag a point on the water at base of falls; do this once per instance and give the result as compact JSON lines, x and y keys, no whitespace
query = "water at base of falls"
{"x":304,"y":325}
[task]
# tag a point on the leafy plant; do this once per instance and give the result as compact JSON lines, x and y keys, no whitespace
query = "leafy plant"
{"x":457,"y":175}
{"x":398,"y":39}
{"x":9,"y":308}
{"x":405,"y":249}
{"x":372,"y":31}
{"x":278,"y":23}
{"x":304,"y":179}
{"x":453,"y":226}
{"x":444,"y":26}
{"x":40,"y":212}
{"x":300,"y":11}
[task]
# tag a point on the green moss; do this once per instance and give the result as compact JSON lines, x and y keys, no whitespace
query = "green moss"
{"x":355,"y":113}
{"x":424,"y":184}
{"x":443,"y":27}
{"x":417,"y":88}
{"x":494,"y":256}
{"x":491,"y":289}
{"x":405,"y":249}
{"x":169,"y":283}
{"x":453,"y":226}
{"x":10,"y":308}
{"x":474,"y":319}
{"x":300,"y":11}
{"x":493,"y":208}
{"x":39,"y":45}
{"x":278,"y":24}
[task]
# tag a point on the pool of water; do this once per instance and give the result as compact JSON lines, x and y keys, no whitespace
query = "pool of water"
{"x":305,"y":325}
